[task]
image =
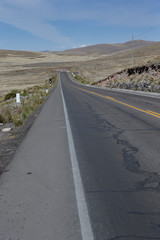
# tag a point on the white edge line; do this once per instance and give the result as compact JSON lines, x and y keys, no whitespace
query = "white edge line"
{"x":85,"y":224}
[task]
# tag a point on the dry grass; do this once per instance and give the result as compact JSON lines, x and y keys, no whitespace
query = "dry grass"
{"x":20,"y":69}
{"x":100,"y":68}
{"x":31,"y":98}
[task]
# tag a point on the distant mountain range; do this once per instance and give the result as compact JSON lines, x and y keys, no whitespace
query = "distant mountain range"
{"x":106,"y":48}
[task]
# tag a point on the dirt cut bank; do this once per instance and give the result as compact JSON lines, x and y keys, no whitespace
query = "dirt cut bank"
{"x":144,"y":78}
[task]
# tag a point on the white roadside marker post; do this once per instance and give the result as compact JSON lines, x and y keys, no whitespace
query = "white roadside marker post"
{"x":18,"y":98}
{"x":46,"y":90}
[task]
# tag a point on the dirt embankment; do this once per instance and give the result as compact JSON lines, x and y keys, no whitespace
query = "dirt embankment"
{"x":145,"y":78}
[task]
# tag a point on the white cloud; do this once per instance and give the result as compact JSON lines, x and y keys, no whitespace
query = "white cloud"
{"x":84,"y":45}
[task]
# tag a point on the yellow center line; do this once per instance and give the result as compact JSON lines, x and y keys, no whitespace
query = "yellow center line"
{"x":153,"y":112}
{"x":157,"y":115}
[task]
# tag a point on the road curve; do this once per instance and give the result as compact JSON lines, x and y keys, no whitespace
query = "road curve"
{"x":116,"y":137}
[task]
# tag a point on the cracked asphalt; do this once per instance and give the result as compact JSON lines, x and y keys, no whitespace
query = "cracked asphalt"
{"x":119,"y":158}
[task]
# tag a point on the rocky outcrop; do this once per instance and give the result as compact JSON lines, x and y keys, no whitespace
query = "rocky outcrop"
{"x":145,"y":78}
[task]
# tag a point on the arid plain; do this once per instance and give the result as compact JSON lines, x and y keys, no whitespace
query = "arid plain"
{"x":22,"y":69}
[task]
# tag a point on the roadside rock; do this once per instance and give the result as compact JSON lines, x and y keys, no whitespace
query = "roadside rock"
{"x":6,"y":129}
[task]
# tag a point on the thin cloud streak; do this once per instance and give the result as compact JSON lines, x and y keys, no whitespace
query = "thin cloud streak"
{"x":115,"y":12}
{"x":30,"y":20}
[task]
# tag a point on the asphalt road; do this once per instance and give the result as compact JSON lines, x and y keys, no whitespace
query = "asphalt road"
{"x":117,"y":144}
{"x":88,"y":169}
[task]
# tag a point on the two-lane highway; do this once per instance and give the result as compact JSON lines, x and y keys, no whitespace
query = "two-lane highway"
{"x":88,"y":169}
{"x":116,"y":137}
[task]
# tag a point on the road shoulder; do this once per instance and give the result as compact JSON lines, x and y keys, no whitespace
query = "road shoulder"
{"x":37,"y":190}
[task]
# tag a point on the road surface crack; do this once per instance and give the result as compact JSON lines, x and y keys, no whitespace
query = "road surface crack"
{"x":151,"y":180}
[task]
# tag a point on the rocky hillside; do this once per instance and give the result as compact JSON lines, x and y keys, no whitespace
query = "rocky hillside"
{"x":144,"y":78}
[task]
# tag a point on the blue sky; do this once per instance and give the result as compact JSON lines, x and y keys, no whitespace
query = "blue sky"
{"x":39,"y":25}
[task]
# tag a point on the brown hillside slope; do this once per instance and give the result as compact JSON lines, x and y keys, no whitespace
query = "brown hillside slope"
{"x":106,"y":48}
{"x":21,"y":69}
{"x":97,"y":69}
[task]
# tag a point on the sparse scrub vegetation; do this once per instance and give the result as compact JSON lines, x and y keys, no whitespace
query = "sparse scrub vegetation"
{"x":5,"y":115}
{"x":81,"y":80}
{"x":10,"y":95}
{"x":31,"y":98}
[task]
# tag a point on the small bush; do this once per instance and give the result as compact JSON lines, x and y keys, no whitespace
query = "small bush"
{"x":2,"y":120}
{"x":10,"y":95}
{"x":80,"y":79}
{"x":17,"y":122}
{"x":5,"y":115}
{"x":24,"y":115}
{"x":8,"y":116}
{"x":27,"y":110}
{"x":25,"y":93}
